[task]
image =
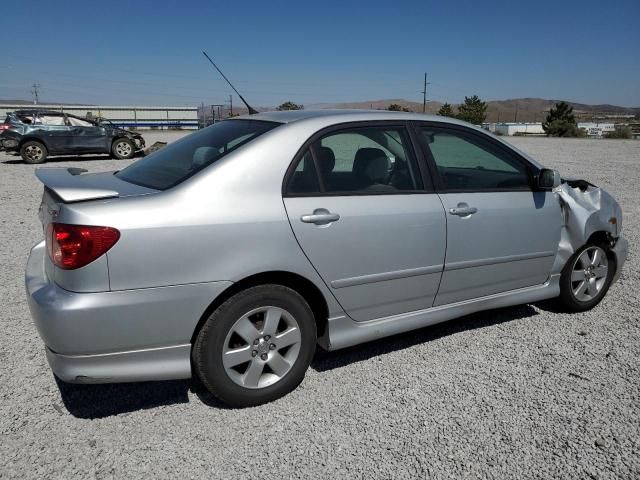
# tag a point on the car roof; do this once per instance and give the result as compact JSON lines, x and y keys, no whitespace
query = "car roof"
{"x":329,"y":117}
{"x":33,"y":111}
{"x":345,"y":115}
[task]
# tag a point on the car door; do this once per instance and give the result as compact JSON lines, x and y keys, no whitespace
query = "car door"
{"x":87,"y":137}
{"x":502,"y":234}
{"x":367,"y":218}
{"x":54,"y":130}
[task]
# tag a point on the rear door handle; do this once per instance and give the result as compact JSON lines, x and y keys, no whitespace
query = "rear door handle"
{"x":463,"y":210}
{"x":320,"y":216}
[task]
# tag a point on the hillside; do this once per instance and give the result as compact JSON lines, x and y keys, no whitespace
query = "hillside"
{"x":517,"y":109}
{"x":511,"y":110}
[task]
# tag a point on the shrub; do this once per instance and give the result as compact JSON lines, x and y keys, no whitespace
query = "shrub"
{"x":620,"y":132}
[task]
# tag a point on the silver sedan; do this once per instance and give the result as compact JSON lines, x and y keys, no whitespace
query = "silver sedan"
{"x":231,"y":253}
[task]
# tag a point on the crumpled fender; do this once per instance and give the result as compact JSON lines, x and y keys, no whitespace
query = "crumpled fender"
{"x":585,"y":211}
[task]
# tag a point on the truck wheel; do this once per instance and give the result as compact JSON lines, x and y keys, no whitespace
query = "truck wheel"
{"x":586,"y":278}
{"x":256,"y":346}
{"x":33,"y":152}
{"x":123,"y":148}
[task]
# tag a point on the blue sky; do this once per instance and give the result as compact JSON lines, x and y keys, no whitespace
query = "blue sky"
{"x":144,"y":52}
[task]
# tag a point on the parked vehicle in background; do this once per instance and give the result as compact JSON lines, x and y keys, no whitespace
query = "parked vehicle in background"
{"x":232,"y":252}
{"x":37,"y":134}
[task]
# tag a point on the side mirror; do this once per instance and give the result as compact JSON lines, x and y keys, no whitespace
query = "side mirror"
{"x":548,"y":179}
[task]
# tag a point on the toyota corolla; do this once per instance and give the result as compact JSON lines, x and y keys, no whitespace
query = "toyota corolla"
{"x":232,"y":253}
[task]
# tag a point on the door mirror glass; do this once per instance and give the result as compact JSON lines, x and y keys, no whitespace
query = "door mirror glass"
{"x":548,"y":179}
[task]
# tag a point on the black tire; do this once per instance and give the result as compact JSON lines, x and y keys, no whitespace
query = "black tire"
{"x":33,"y":152}
{"x":567,"y":299}
{"x":123,"y":148}
{"x":209,"y":345}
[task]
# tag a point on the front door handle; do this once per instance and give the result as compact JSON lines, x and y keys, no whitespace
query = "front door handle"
{"x":320,"y":216}
{"x":463,"y":210}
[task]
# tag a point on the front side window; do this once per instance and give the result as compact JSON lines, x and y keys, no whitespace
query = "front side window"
{"x":368,"y":160}
{"x":180,"y":160}
{"x":468,"y":163}
{"x":78,"y":122}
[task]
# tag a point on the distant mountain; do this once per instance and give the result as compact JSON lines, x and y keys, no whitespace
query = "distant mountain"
{"x":30,"y":102}
{"x":15,"y":102}
{"x":432,"y":107}
{"x":535,"y":109}
{"x":516,"y":109}
{"x":511,"y":110}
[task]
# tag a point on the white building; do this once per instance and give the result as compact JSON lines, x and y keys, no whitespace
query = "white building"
{"x":519,"y":128}
{"x":138,"y":117}
{"x":596,"y":129}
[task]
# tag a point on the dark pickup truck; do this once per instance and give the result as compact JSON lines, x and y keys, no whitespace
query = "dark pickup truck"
{"x":36,"y":134}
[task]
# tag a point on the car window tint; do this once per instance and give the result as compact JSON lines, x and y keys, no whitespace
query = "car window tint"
{"x":468,"y":163}
{"x":367,"y":160}
{"x":304,"y":179}
{"x":180,"y":160}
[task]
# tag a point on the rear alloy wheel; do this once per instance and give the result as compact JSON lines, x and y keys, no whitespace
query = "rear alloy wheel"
{"x":256,"y":346}
{"x":33,"y":152}
{"x":586,"y":278}
{"x":123,"y":148}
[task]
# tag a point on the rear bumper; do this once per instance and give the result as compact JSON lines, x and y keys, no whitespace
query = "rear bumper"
{"x":9,"y":144}
{"x":129,"y":335}
{"x":169,"y":363}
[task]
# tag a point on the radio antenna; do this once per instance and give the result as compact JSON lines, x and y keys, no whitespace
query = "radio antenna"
{"x":252,"y":111}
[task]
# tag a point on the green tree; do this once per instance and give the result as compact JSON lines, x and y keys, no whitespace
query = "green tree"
{"x":473,"y":110}
{"x":394,"y":107}
{"x":446,"y":110}
{"x":560,"y":122}
{"x":290,"y":106}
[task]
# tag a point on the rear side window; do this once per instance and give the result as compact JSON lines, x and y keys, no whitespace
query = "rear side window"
{"x":304,"y":179}
{"x":180,"y":160}
{"x":363,"y":160}
{"x":467,"y":163}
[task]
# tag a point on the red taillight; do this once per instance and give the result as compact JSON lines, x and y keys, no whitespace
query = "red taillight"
{"x":74,"y":246}
{"x":4,"y":126}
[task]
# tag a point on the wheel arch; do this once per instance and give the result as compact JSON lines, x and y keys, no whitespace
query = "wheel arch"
{"x":603,"y":237}
{"x":305,"y":287}
{"x":32,"y":138}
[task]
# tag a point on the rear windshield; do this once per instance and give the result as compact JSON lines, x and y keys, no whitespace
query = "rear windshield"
{"x":178,"y":161}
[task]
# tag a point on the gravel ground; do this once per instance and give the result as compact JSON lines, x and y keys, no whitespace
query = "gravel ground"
{"x":521,"y":392}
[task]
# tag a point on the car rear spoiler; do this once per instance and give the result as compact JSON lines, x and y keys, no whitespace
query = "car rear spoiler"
{"x":71,"y":186}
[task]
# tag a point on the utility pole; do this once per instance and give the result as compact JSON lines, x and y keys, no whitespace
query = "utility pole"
{"x":515,"y":120}
{"x":424,"y":94}
{"x":231,"y":105}
{"x":34,"y":92}
{"x":213,"y":115}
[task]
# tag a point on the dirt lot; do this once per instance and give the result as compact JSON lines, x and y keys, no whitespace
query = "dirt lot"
{"x":521,"y":392}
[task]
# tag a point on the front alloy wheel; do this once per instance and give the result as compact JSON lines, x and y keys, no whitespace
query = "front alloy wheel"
{"x":123,"y":148}
{"x":586,"y":277}
{"x":589,"y":274}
